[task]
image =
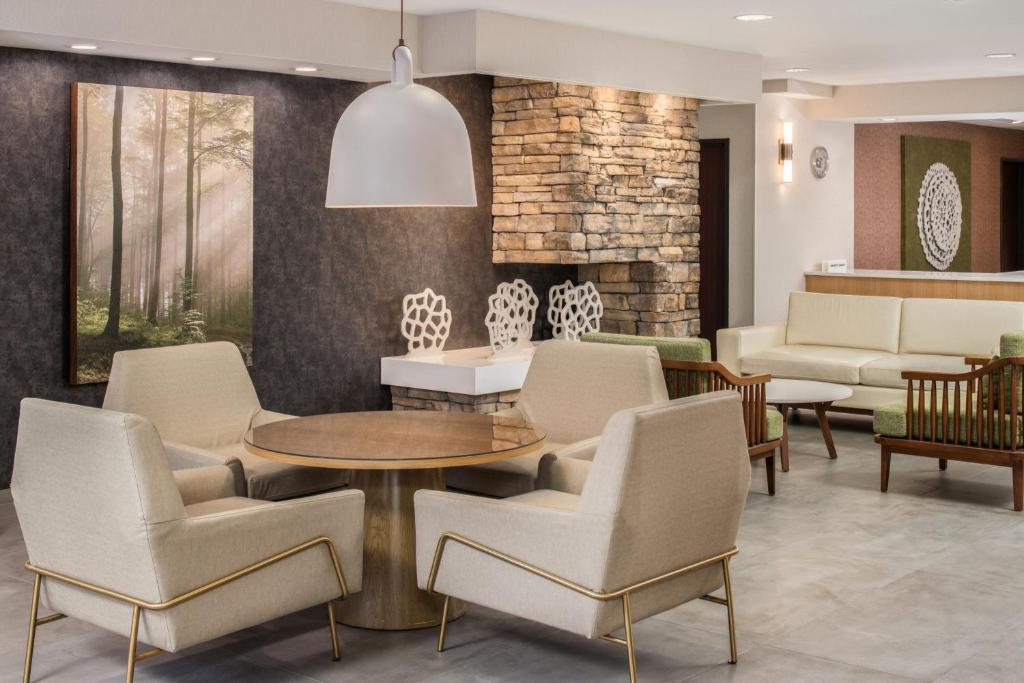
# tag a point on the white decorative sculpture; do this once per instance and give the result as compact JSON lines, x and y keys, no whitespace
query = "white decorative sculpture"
{"x":426,"y":322}
{"x":574,"y":310}
{"x":939,"y":215}
{"x":510,"y":315}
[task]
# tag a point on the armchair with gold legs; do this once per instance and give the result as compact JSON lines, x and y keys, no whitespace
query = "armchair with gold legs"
{"x":111,"y":542}
{"x":654,"y":527}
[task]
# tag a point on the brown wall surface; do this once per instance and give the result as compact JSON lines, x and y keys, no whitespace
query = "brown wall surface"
{"x":877,"y":172}
{"x":328,"y":283}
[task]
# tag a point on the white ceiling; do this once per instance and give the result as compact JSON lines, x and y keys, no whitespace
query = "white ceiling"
{"x":843,"y":42}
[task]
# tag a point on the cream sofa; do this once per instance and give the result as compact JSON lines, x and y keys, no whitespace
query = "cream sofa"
{"x":866,"y":342}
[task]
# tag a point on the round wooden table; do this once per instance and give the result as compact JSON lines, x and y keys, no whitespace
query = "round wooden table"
{"x":392,"y":455}
{"x":798,"y":393}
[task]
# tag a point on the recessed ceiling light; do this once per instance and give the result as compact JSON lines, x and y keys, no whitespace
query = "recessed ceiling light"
{"x":888,"y":119}
{"x":84,"y":46}
{"x":797,"y":70}
{"x":204,"y":58}
{"x":752,"y":17}
{"x":1017,"y":123}
{"x":1001,"y":55}
{"x":306,"y":69}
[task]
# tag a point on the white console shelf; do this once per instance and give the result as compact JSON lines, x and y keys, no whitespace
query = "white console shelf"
{"x":472,"y":372}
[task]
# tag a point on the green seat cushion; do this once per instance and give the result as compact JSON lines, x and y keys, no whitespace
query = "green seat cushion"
{"x":774,"y":424}
{"x":891,"y":420}
{"x":669,"y":348}
{"x":1011,"y":344}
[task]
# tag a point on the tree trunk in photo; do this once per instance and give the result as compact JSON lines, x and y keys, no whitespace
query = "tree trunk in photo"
{"x":114,"y":310}
{"x":83,"y":197}
{"x":159,"y":157}
{"x":190,"y":162}
{"x":199,"y":195}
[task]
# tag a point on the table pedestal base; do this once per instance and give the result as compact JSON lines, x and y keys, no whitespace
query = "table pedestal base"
{"x":390,"y":598}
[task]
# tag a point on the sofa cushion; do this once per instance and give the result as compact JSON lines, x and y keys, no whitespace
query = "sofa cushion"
{"x":775,"y":424}
{"x":268,"y":479}
{"x":957,"y":327}
{"x":885,"y":372}
{"x":669,"y":348}
{"x":859,"y":322}
{"x":891,"y":420}
{"x":822,"y":363}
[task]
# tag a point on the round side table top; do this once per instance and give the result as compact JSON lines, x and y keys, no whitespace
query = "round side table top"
{"x":389,"y":440}
{"x":799,"y":391}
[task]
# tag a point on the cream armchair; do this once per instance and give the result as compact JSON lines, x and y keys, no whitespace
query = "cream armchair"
{"x":201,"y":400}
{"x":570,"y":391}
{"x":111,"y":541}
{"x":654,"y":527}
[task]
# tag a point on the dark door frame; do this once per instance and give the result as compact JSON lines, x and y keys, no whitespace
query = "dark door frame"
{"x":724,"y":275}
{"x":1014,"y":260}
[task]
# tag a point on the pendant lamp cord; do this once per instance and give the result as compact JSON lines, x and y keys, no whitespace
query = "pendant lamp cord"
{"x":401,"y":23}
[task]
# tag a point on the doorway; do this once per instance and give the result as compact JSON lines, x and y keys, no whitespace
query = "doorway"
{"x":1011,"y":252}
{"x":714,"y":239}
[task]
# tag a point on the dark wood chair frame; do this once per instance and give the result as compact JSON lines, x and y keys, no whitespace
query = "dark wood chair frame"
{"x":689,"y":378}
{"x":985,"y":430}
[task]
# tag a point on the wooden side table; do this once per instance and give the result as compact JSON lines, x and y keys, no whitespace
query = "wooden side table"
{"x":393,"y":455}
{"x":797,"y":393}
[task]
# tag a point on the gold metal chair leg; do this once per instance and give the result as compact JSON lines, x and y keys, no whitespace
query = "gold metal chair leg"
{"x":32,"y":616}
{"x":630,"y":650}
{"x":728,"y":607}
{"x":335,"y":645}
{"x":133,"y":641}
{"x":444,"y":624}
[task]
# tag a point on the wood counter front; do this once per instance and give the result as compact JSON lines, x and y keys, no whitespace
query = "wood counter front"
{"x":905,"y":286}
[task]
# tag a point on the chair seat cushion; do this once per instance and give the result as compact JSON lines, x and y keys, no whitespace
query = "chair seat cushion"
{"x":548,"y":498}
{"x":774,"y":424}
{"x":891,"y":420}
{"x":801,"y":361}
{"x":210,"y":507}
{"x":885,"y":372}
{"x":503,"y":478}
{"x":271,"y":480}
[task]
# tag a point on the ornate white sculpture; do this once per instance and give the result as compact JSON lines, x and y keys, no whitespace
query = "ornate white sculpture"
{"x":510,"y":315}
{"x":939,"y":216}
{"x":426,"y":322}
{"x":574,"y":310}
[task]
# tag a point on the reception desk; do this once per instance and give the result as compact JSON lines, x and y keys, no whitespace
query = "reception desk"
{"x":929,"y":284}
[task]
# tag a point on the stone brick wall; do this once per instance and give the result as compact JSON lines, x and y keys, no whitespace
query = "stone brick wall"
{"x":592,"y":175}
{"x":404,"y":398}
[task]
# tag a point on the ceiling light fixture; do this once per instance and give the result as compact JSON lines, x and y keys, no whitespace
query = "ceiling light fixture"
{"x":797,"y":70}
{"x":753,"y":17}
{"x":1001,"y":55}
{"x":888,"y":119}
{"x":400,"y":144}
{"x":84,"y":46}
{"x":204,"y":58}
{"x":306,"y":69}
{"x":1017,"y":123}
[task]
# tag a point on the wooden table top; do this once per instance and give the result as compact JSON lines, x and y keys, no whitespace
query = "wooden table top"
{"x":414,"y":439}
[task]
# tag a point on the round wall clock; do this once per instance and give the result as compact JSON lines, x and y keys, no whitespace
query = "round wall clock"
{"x":819,"y":162}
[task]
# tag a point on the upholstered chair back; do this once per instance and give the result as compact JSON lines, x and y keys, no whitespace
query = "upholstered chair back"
{"x":88,"y":485}
{"x":572,"y":388}
{"x":674,"y":478}
{"x":196,"y":394}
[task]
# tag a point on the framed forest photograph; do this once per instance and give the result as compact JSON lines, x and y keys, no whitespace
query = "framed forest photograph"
{"x":161,"y":219}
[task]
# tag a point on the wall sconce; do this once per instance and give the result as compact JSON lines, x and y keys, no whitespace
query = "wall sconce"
{"x":786,"y":151}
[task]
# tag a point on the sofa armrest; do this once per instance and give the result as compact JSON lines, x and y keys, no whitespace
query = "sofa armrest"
{"x":736,"y":342}
{"x":563,"y":474}
{"x":181,"y":456}
{"x":200,"y":484}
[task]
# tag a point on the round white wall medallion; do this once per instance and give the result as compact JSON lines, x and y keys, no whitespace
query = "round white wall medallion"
{"x":819,"y":162}
{"x":939,"y":216}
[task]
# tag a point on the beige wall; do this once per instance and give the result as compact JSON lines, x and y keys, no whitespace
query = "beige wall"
{"x":797,"y":225}
{"x":877,"y":188}
{"x":737,"y":124}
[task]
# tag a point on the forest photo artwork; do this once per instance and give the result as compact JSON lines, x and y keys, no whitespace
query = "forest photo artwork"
{"x":162,"y":211}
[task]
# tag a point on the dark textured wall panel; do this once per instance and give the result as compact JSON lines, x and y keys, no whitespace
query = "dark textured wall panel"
{"x":327,"y":283}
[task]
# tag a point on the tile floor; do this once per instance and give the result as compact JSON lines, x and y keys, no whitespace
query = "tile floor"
{"x":835,"y":582}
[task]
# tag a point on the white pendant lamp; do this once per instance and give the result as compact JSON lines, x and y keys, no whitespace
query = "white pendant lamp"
{"x":400,"y":144}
